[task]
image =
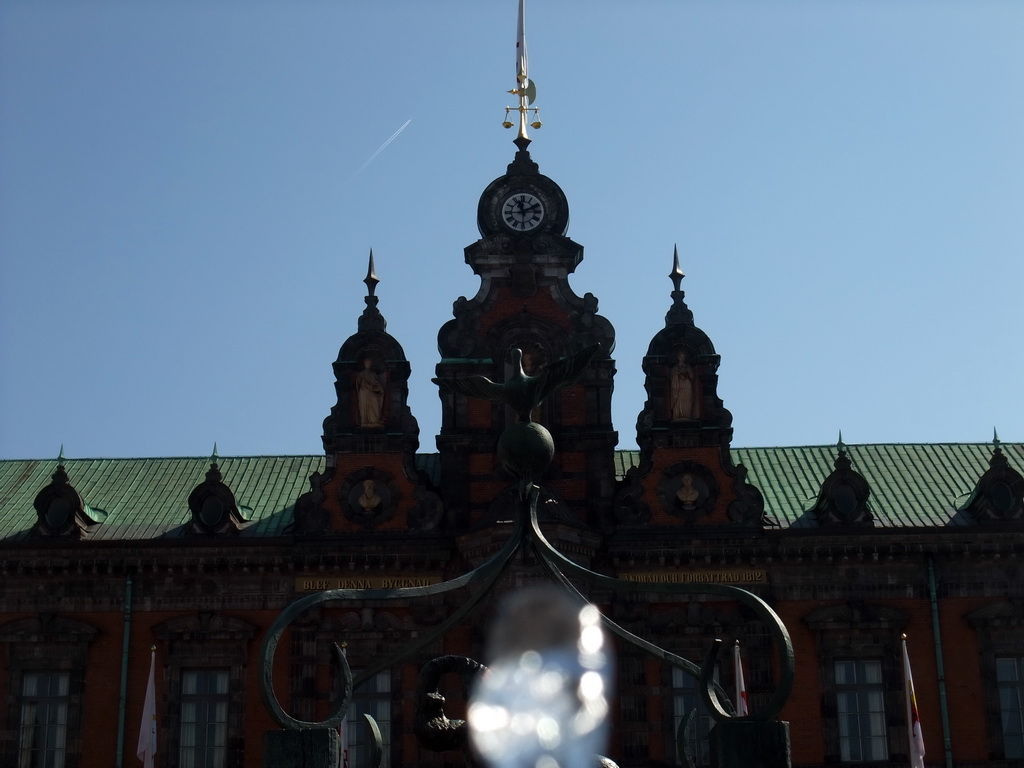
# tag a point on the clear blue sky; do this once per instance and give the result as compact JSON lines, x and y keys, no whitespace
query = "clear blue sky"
{"x":186,"y":208}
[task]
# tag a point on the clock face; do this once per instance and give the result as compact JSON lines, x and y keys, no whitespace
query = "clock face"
{"x":522,"y":211}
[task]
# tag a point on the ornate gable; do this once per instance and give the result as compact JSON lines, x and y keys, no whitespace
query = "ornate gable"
{"x":370,"y":438}
{"x":685,"y":475}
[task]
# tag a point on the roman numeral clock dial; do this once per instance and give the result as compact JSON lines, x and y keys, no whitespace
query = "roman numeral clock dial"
{"x":522,"y":211}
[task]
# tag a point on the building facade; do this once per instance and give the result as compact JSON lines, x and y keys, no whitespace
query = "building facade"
{"x":852,"y":546}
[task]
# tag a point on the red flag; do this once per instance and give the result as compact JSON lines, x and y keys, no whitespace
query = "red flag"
{"x":741,"y":687}
{"x":914,"y":733}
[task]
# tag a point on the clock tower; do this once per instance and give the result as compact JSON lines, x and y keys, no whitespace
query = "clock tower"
{"x":524,"y":260}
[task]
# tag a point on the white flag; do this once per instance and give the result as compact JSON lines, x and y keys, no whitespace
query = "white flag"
{"x":147,"y":729}
{"x":522,"y":76}
{"x":741,"y":687}
{"x":914,"y":733}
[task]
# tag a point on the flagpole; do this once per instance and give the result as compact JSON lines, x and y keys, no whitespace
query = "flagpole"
{"x":343,"y":727}
{"x":915,"y":736}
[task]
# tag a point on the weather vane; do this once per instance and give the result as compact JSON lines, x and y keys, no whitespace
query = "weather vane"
{"x":525,"y":89}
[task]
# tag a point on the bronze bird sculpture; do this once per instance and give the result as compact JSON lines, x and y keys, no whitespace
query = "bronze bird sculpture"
{"x":522,"y":392}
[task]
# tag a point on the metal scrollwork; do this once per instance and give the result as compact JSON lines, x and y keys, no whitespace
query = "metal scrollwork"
{"x":480,"y":581}
{"x":560,"y":568}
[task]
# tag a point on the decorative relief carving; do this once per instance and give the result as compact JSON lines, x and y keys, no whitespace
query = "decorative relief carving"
{"x":310,"y":516}
{"x":629,"y":508}
{"x":458,"y":337}
{"x":428,"y":514}
{"x":748,"y":507}
{"x":856,"y":615}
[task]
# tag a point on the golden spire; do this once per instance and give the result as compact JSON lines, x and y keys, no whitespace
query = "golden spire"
{"x":525,"y":89}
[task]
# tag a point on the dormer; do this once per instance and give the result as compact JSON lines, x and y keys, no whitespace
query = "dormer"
{"x":999,"y":494}
{"x":213,"y":506}
{"x":60,"y":509}
{"x":843,"y":498}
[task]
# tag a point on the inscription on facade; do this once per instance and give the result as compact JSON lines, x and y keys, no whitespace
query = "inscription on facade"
{"x":320,"y":583}
{"x":737,"y":576}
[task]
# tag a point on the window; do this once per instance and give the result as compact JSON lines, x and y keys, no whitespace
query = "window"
{"x":43,"y":727}
{"x":860,"y":708}
{"x":372,"y":698}
{"x":686,"y":698}
{"x":204,"y":718}
{"x":204,"y":669}
{"x":634,"y":725}
{"x":1010,"y":681}
{"x":1000,"y":631}
{"x":45,"y":658}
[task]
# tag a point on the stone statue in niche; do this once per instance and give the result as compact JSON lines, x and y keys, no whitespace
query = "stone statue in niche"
{"x":687,"y":495}
{"x":370,"y":499}
{"x":690,"y":494}
{"x":369,"y":396}
{"x":688,"y":491}
{"x":682,"y":390}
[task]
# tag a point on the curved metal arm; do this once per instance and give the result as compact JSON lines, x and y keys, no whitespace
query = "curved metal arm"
{"x":710,"y":697}
{"x":558,"y":565}
{"x":484,"y":575}
{"x":681,"y":751}
{"x":376,"y":742}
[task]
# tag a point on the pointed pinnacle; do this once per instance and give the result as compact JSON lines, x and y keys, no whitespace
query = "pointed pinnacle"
{"x":676,"y":275}
{"x":840,"y":446}
{"x":214,"y":456}
{"x":371,"y":278}
{"x":995,"y":437}
{"x":60,"y":458}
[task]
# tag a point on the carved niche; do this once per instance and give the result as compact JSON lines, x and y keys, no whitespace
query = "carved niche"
{"x":688,"y":490}
{"x":369,"y":496}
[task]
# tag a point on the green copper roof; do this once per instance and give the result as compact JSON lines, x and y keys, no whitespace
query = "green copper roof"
{"x":148,"y":498}
{"x":911,"y":486}
{"x":917,"y":485}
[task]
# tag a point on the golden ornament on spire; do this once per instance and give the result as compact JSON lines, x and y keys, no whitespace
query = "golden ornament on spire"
{"x":525,"y":88}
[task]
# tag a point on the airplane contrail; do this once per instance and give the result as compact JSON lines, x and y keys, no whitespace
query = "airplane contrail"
{"x":382,"y":147}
